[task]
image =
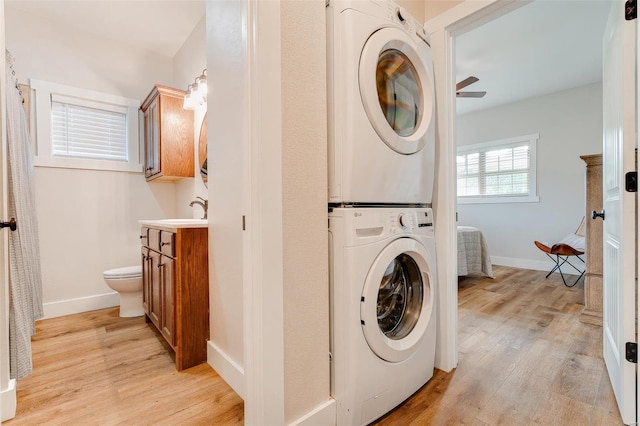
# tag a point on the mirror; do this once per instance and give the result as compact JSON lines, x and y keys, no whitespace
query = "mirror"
{"x":202,"y":150}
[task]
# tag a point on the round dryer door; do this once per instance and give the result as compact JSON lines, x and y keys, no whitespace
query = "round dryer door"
{"x":397,"y":89}
{"x":397,"y":300}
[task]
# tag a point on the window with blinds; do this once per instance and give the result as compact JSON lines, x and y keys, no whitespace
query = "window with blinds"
{"x":499,"y":171}
{"x":88,"y":132}
{"x":84,"y":129}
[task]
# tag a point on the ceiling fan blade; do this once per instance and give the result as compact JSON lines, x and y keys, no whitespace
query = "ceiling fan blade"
{"x":470,"y":94}
{"x":467,"y":81}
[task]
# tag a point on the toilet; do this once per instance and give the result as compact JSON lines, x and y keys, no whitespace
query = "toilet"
{"x":127,"y":282}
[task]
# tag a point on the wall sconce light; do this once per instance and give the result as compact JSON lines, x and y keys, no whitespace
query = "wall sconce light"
{"x":196,"y":94}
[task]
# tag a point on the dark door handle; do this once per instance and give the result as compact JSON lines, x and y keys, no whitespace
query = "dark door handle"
{"x":12,"y":224}
{"x":596,"y":215}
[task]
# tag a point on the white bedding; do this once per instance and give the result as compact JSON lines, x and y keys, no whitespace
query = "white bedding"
{"x":473,"y":252}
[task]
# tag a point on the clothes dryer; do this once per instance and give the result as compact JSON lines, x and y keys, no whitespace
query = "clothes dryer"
{"x":383,"y":322}
{"x":381,"y":105}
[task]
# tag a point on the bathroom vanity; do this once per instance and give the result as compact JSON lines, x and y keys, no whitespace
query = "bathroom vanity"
{"x":175,"y":285}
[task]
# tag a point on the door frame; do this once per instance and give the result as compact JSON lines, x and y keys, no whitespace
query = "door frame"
{"x":262,"y":270}
{"x":7,"y":385}
{"x":443,"y":29}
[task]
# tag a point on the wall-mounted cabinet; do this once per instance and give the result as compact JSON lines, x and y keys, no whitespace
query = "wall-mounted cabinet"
{"x":168,"y":135}
{"x":175,"y":289}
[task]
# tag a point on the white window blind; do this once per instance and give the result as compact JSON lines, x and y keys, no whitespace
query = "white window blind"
{"x":499,"y":171}
{"x":82,"y":131}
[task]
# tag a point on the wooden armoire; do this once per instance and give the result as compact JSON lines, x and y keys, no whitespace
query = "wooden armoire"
{"x":592,"y":312}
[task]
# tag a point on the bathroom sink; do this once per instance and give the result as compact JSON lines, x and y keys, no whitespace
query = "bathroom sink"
{"x":177,"y":223}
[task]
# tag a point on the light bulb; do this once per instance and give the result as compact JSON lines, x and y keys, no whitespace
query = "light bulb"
{"x":189,"y":98}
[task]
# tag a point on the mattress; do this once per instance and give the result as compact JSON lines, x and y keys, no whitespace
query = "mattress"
{"x":473,"y":252}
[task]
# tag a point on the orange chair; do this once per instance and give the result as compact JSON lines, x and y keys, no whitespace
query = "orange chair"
{"x":571,"y":245}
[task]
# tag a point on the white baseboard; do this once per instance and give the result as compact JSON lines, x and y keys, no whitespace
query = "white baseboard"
{"x":230,"y":371}
{"x":536,"y":265}
{"x":8,"y":401}
{"x":81,"y":304}
{"x":323,"y":415}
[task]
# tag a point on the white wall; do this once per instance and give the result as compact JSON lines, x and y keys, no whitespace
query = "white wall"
{"x":87,"y":219}
{"x":304,"y":222}
{"x":188,"y":63}
{"x":433,"y":8}
{"x":570,"y":124}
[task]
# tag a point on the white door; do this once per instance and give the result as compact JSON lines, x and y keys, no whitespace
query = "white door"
{"x":619,"y":92}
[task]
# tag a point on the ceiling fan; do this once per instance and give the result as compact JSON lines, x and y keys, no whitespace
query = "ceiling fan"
{"x":464,"y":83}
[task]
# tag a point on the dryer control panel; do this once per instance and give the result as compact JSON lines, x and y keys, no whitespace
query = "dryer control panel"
{"x":400,"y":15}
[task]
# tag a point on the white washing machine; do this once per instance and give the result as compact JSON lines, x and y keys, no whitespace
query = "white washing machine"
{"x":383,"y":298}
{"x":381,"y":105}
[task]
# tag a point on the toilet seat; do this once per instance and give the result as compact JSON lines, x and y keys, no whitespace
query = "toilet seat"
{"x":124,"y":273}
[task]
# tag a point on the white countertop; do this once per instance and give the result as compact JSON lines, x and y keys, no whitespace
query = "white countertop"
{"x":173,"y":224}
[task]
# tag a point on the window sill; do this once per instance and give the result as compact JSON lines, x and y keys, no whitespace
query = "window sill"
{"x":76,"y":163}
{"x":498,"y":200}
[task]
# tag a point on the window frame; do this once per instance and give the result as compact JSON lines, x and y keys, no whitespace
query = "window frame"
{"x":532,"y":141}
{"x":45,"y":91}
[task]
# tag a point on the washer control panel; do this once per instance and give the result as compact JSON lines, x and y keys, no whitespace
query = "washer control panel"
{"x":411,"y":220}
{"x":364,"y":225}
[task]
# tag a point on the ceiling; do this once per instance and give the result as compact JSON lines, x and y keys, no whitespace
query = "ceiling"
{"x":540,"y":48}
{"x":161,"y":26}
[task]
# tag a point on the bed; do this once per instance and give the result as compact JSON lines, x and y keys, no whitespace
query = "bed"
{"x":473,"y":252}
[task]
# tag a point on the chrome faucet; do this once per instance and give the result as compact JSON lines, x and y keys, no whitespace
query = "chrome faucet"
{"x":204,"y":203}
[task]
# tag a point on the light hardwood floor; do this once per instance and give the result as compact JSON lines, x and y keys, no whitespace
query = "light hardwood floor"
{"x":98,"y":369}
{"x":525,"y":359}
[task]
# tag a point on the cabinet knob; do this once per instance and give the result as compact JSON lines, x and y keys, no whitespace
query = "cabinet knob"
{"x":160,"y":265}
{"x":595,"y":215}
{"x":143,"y":237}
{"x":162,"y":244}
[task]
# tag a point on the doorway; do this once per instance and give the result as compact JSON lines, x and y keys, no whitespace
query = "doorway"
{"x":92,"y":216}
{"x":544,"y":80}
{"x":509,"y":119}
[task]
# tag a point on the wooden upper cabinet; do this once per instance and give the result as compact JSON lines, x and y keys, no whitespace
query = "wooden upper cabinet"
{"x":168,"y":135}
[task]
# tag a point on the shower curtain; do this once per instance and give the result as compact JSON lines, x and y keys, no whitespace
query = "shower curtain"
{"x":25,"y":282}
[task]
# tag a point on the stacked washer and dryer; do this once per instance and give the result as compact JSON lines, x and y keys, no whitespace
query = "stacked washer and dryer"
{"x":381,"y":229}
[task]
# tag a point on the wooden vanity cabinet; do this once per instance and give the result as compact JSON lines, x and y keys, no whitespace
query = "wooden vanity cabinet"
{"x":168,"y":135}
{"x":167,"y":310}
{"x":175,"y":277}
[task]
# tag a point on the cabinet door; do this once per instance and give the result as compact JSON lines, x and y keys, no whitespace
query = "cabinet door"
{"x":166,"y":268}
{"x":146,"y":280}
{"x":152,"y":140}
{"x":155,"y":306}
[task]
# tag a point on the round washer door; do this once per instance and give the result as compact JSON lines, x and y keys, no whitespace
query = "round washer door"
{"x":396,"y":89}
{"x":397,"y":300}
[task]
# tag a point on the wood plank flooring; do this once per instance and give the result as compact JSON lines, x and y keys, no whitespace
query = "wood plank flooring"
{"x":524,"y":359}
{"x":95,"y":368}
